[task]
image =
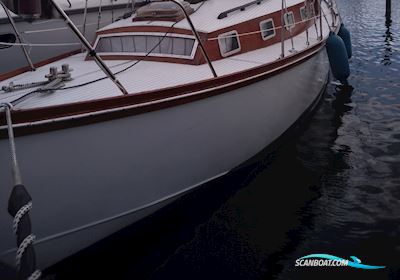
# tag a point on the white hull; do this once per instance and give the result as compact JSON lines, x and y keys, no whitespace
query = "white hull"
{"x":87,"y":182}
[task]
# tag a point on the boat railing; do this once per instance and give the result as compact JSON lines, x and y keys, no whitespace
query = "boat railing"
{"x":263,"y":30}
{"x":316,"y":18}
{"x":196,"y":34}
{"x":208,"y":39}
{"x":19,"y":36}
{"x":85,"y":11}
{"x":284,"y":25}
{"x":284,"y":10}
{"x":91,"y":51}
{"x":282,"y":28}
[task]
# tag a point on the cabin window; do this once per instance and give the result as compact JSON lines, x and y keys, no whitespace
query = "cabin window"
{"x":267,"y":28}
{"x":170,"y":46}
{"x":229,"y":43}
{"x":289,"y":20}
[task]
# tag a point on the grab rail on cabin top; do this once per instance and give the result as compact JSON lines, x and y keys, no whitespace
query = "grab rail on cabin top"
{"x":242,"y":8}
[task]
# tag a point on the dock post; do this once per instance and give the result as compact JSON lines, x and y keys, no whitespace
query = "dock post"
{"x":388,"y":14}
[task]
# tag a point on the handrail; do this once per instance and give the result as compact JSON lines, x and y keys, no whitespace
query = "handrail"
{"x":242,"y":8}
{"x":290,"y":27}
{"x":320,"y":18}
{"x":282,"y":31}
{"x":282,"y":27}
{"x":306,"y":6}
{"x":196,"y":34}
{"x":99,"y":14}
{"x":85,"y":17}
{"x":91,"y":51}
{"x":259,"y":31}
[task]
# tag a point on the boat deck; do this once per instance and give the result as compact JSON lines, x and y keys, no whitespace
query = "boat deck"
{"x":144,"y":76}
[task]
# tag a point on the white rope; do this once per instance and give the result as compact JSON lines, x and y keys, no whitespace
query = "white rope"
{"x":59,"y":28}
{"x":36,"y":275}
{"x":262,"y":30}
{"x":40,"y":45}
{"x":24,"y":209}
{"x":21,"y":212}
{"x":22,"y":247}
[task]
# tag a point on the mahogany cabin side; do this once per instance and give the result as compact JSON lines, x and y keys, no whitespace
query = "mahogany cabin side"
{"x":248,"y":35}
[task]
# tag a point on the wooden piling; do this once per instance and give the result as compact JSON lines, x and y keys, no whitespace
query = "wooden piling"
{"x":388,"y":10}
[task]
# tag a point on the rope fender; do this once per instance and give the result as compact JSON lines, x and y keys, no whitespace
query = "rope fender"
{"x":19,"y":205}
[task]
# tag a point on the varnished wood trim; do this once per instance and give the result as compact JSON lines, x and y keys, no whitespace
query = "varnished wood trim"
{"x":189,"y":61}
{"x":249,"y":42}
{"x":253,"y":40}
{"x":86,"y":112}
{"x":159,"y":29}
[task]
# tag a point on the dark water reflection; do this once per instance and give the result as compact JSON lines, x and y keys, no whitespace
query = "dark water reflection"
{"x":334,"y":188}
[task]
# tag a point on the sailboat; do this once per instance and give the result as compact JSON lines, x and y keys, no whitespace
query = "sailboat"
{"x":160,"y":103}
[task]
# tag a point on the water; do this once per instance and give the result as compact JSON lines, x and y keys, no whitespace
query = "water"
{"x":334,"y":188}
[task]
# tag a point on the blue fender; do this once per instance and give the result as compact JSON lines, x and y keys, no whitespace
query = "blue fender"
{"x":338,"y":57}
{"x":344,"y":33}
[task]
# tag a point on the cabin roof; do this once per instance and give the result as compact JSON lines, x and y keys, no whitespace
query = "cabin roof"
{"x":150,"y":75}
{"x":205,"y":19}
